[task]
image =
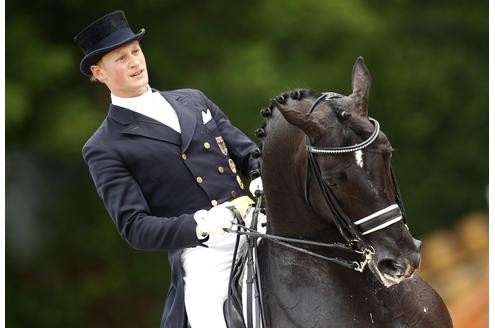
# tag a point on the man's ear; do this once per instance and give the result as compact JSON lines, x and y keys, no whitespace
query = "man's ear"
{"x":98,"y":73}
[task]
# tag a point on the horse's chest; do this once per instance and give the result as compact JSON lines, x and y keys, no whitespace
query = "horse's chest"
{"x":301,"y":292}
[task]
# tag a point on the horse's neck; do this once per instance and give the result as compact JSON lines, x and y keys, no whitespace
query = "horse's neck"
{"x":302,"y":291}
{"x":298,"y":287}
{"x":289,"y":213}
{"x":295,"y":219}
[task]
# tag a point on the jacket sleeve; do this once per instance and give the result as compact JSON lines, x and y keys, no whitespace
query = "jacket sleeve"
{"x":240,"y":146}
{"x":128,"y":208}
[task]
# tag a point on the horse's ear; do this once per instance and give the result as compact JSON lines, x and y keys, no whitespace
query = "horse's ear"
{"x":298,"y":115}
{"x":361,"y":82}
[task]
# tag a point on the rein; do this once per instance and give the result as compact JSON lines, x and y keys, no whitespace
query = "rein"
{"x":252,"y":266}
{"x":284,"y":241}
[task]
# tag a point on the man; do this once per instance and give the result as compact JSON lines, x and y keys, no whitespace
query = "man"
{"x":166,"y":166}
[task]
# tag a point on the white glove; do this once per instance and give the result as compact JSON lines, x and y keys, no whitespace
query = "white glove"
{"x":256,"y":184}
{"x":213,"y":221}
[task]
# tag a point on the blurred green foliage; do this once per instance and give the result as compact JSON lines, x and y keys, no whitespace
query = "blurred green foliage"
{"x":66,"y":264}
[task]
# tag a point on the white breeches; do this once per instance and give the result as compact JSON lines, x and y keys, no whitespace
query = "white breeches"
{"x":207,"y":272}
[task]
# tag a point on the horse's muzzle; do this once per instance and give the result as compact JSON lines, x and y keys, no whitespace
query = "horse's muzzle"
{"x":392,"y":270}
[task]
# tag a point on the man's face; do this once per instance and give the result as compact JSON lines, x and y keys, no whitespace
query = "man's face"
{"x":123,"y":70}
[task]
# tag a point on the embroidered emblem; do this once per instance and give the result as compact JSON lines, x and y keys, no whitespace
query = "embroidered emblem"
{"x":222,"y":145}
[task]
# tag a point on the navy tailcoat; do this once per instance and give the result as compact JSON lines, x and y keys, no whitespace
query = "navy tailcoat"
{"x":153,"y":179}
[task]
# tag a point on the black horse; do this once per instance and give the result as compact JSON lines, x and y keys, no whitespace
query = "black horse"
{"x":327,"y":177}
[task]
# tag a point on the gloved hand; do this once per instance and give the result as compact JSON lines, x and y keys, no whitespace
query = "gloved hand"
{"x":213,"y":221}
{"x":242,"y":204}
{"x":256,"y":184}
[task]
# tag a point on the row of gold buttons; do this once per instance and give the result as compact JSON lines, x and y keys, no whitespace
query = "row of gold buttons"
{"x":206,"y":145}
{"x":221,"y":170}
{"x":214,"y":202}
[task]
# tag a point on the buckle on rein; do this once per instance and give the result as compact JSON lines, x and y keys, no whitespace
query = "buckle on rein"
{"x":367,"y":258}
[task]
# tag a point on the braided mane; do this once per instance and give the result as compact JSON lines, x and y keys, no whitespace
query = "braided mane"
{"x":267,"y":112}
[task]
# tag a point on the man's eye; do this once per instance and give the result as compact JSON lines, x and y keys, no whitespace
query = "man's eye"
{"x":121,"y":58}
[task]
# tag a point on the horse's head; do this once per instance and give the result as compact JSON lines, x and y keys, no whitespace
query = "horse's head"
{"x":358,"y":179}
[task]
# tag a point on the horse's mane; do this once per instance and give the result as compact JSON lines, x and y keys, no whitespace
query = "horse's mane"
{"x":267,"y":112}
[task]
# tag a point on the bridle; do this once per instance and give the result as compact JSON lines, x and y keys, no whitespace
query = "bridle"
{"x":352,"y":232}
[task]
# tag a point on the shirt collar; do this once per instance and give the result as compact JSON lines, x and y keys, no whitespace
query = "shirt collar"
{"x":133,"y":103}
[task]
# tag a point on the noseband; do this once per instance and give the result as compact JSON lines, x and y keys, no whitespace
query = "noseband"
{"x":352,"y":232}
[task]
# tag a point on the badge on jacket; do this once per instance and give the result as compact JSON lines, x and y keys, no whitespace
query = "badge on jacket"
{"x":232,"y":166}
{"x":222,"y":145}
{"x":239,"y":181}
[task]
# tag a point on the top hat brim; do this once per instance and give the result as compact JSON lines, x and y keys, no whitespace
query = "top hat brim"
{"x":94,"y":56}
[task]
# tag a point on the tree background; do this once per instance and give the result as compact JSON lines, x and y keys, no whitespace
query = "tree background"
{"x":66,"y":265}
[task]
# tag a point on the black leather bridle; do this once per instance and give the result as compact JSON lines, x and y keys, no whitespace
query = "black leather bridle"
{"x":352,"y":232}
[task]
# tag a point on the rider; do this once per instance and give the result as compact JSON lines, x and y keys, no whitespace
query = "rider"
{"x":167,"y":165}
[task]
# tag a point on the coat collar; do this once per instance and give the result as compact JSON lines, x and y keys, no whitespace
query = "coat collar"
{"x":138,"y":124}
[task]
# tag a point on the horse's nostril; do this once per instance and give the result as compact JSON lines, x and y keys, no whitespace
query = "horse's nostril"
{"x":398,"y":268}
{"x":391,"y":267}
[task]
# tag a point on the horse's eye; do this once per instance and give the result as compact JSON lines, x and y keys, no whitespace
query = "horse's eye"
{"x":330,"y":181}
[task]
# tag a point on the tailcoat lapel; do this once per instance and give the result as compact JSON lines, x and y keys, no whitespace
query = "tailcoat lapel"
{"x":137,"y":124}
{"x":142,"y":125}
{"x":187,"y":117}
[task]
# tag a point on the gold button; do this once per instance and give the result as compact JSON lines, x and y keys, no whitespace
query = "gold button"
{"x":221,"y":169}
{"x":207,"y":145}
{"x":234,"y":194}
{"x":214,"y":202}
{"x":184,"y":156}
{"x":199,"y":180}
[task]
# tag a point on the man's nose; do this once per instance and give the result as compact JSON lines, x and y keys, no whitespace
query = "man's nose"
{"x":134,"y":61}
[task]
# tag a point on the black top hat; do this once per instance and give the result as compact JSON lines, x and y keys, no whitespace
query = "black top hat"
{"x":102,"y":36}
